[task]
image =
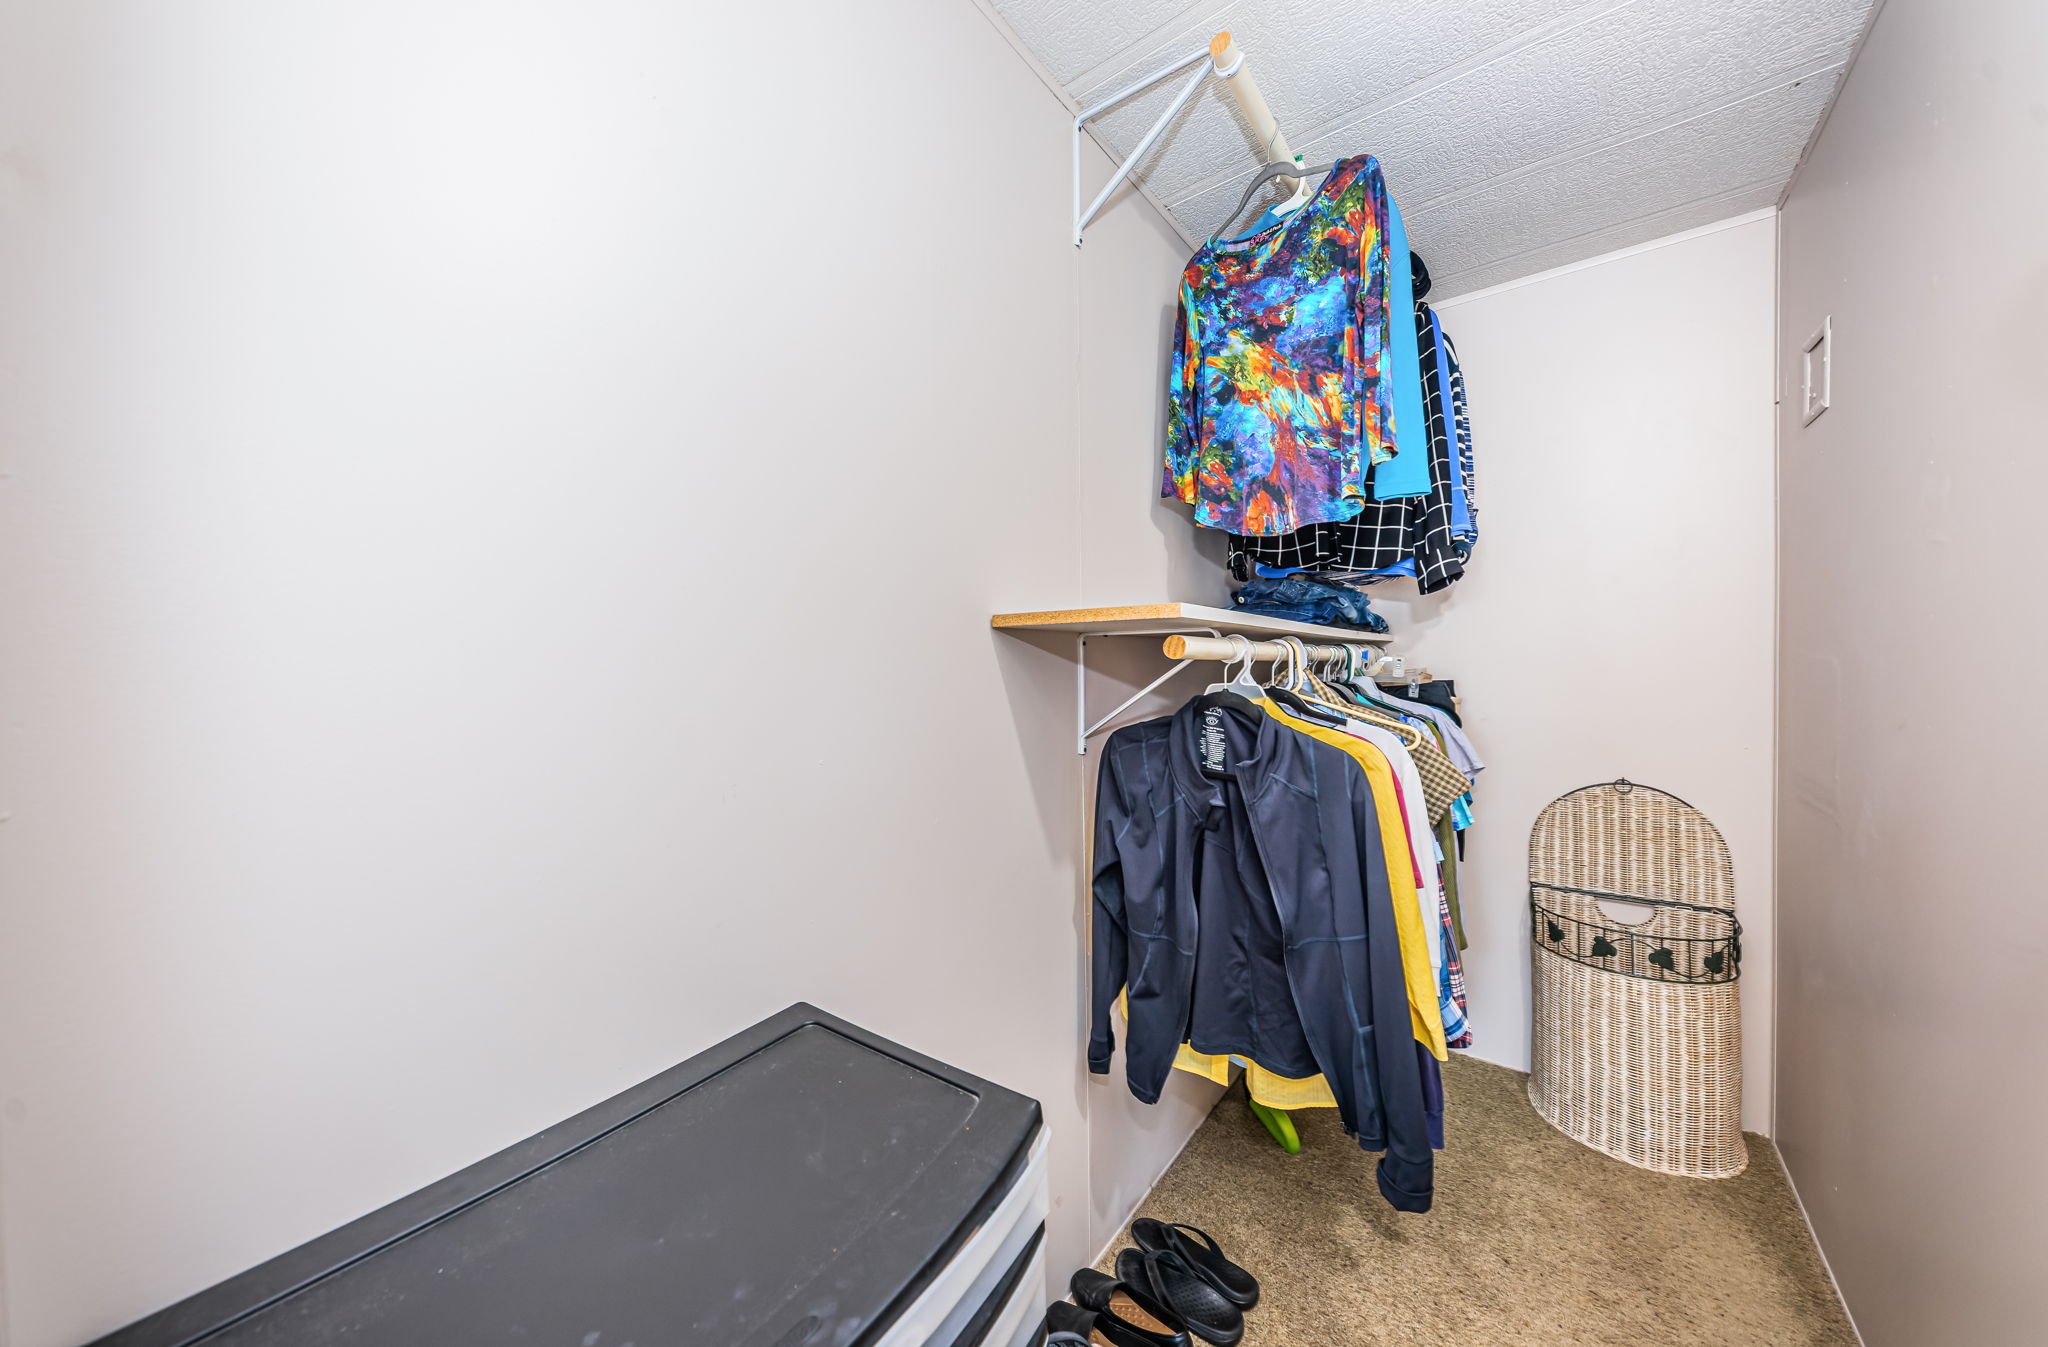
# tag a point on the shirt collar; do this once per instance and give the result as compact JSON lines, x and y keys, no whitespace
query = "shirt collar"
{"x":1186,"y":767}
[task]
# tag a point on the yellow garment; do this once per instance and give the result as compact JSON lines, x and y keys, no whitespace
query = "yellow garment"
{"x":1268,"y":1089}
{"x":1423,"y":1007}
{"x":1271,"y":1090}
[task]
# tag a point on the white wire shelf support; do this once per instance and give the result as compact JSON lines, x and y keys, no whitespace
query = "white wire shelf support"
{"x":1086,"y":115}
{"x":1220,"y":58}
{"x":1083,"y":731}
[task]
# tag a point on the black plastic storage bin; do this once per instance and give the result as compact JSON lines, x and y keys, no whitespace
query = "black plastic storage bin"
{"x":803,"y":1184}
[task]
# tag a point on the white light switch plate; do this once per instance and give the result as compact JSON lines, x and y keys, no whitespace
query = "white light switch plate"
{"x":1817,"y":376}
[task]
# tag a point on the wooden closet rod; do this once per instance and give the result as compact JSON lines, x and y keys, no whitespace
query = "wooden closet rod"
{"x":1226,"y":60}
{"x":1223,"y":648}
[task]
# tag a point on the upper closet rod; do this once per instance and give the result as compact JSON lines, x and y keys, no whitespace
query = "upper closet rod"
{"x":1226,"y":60}
{"x":1221,"y":58}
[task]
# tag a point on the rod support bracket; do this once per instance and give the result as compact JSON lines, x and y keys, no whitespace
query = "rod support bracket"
{"x":1144,"y":146}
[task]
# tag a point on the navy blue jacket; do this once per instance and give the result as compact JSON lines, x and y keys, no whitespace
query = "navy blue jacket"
{"x":1273,"y":880}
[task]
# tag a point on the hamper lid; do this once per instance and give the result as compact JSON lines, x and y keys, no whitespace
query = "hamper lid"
{"x":1632,"y":841}
{"x":797,"y":1184}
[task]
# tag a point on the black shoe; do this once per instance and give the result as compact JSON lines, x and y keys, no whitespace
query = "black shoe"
{"x":1070,"y":1324}
{"x":1067,"y":1325}
{"x":1209,"y":1314}
{"x":1130,"y":1308}
{"x":1202,"y":1254}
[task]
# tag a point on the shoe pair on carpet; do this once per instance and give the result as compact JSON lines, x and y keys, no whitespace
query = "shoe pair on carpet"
{"x":1176,"y":1282}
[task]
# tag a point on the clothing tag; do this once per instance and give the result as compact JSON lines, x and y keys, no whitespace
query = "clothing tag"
{"x":1214,"y":748}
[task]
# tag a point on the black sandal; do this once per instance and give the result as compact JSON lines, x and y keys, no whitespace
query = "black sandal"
{"x":1209,"y":1314}
{"x":1241,"y":1288}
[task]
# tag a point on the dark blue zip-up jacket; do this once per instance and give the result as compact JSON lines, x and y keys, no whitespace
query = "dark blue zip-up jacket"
{"x":1295,"y":871}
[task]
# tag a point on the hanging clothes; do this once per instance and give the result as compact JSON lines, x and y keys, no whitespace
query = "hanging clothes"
{"x":1406,"y":474}
{"x":1403,"y":875}
{"x":1438,"y":549}
{"x":1442,"y":782}
{"x":1442,"y":724}
{"x":1457,"y":744}
{"x":1451,"y":383}
{"x":1280,"y":397}
{"x":1429,"y":948}
{"x":1442,"y":693}
{"x":1432,"y":763}
{"x":1221,"y":819}
{"x":1447,"y":849}
{"x":1423,"y":536}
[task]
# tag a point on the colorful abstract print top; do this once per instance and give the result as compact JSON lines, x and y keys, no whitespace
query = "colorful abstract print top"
{"x":1276,"y":405}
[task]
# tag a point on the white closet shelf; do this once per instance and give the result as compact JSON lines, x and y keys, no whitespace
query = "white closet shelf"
{"x":1164,"y":618}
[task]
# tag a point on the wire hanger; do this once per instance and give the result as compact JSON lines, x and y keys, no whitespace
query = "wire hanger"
{"x":1301,"y":195}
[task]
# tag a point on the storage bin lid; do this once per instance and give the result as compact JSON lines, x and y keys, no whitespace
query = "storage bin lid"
{"x":797,"y":1184}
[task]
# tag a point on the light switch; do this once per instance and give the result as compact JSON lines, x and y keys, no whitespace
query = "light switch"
{"x":1817,"y":379}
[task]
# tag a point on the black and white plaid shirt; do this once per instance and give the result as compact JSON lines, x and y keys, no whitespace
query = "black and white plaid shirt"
{"x":1462,"y":420}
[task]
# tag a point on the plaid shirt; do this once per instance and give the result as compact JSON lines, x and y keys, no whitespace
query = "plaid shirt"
{"x":1442,"y":782}
{"x":1461,"y":422}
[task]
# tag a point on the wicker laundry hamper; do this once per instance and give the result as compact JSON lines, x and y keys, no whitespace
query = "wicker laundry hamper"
{"x":1638,"y":1030}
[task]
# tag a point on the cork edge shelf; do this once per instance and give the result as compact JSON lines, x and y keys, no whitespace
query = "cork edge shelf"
{"x":1167,"y":618}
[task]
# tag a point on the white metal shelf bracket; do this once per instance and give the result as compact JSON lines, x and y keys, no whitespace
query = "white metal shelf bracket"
{"x":1220,"y":58}
{"x":1083,"y":730}
{"x":1086,"y":115}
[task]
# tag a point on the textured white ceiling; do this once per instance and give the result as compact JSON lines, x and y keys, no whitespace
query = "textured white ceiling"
{"x":1516,"y":134}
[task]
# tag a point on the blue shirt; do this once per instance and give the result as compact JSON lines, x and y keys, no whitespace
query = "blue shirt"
{"x":1406,"y":474}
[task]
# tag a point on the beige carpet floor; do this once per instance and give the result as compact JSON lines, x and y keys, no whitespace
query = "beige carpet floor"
{"x":1534,"y":1239}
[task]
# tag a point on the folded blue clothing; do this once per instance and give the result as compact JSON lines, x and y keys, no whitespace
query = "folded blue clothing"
{"x":1302,"y":600}
{"x":1319,"y":616}
{"x":1404,"y":567}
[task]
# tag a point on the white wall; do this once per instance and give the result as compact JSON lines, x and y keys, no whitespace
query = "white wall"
{"x":439,"y":441}
{"x":1915,"y":938}
{"x":1134,"y":548}
{"x":1617,"y":618}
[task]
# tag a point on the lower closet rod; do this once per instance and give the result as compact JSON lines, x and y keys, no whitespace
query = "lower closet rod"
{"x":1228,"y":649}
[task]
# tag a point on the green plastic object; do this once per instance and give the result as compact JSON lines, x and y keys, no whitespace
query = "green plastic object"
{"x":1279,"y":1124}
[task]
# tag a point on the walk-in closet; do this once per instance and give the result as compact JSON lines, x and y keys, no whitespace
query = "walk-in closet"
{"x":1006,"y":673}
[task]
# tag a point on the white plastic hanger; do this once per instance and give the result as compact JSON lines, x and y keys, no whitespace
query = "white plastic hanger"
{"x":1244,"y":685}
